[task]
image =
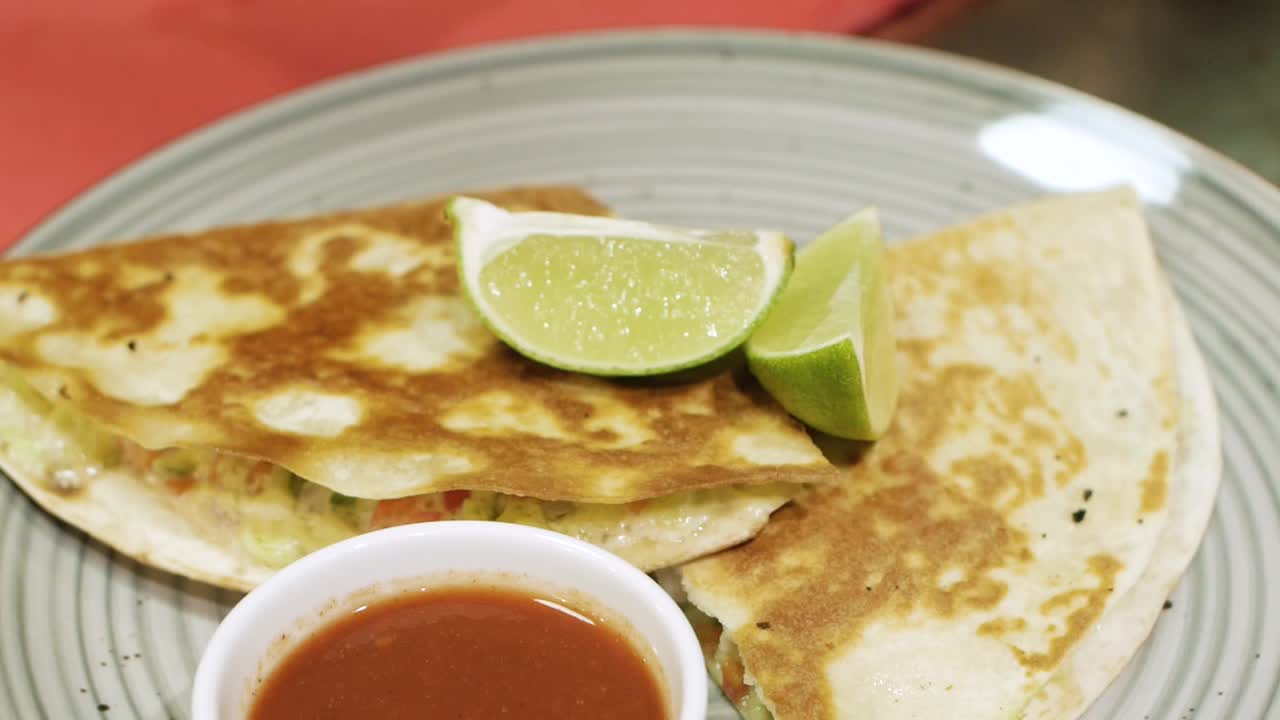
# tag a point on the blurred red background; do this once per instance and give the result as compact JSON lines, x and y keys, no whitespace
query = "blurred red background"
{"x":87,"y":87}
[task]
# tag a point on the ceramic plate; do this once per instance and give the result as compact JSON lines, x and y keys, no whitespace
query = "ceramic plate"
{"x":703,"y":129}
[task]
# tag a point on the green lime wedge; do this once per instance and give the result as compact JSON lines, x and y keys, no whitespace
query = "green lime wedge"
{"x":826,"y":349}
{"x":615,"y":297}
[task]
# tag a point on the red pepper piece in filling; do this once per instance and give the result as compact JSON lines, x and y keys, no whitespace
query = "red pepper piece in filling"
{"x":405,"y":510}
{"x":732,"y":681}
{"x":453,"y":499}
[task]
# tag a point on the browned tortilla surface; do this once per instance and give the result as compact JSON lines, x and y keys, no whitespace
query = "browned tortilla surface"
{"x":339,"y":347}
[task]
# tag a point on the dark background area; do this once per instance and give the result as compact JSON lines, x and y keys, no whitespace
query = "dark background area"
{"x":1208,"y":68}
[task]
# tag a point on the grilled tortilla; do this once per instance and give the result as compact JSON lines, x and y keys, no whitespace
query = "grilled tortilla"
{"x":220,"y":403}
{"x":1004,"y":549}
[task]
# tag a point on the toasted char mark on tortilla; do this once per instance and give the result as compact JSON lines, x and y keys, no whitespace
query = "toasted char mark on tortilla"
{"x":1078,"y":609}
{"x":338,"y":347}
{"x":1085,"y":608}
{"x":913,"y":539}
{"x":1034,"y":443}
{"x":1155,"y":487}
{"x":948,"y":569}
{"x":988,"y":292}
{"x":1001,"y":626}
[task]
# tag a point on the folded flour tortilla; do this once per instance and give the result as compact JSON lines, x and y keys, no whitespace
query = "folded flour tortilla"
{"x":1005,"y":549}
{"x":220,"y":403}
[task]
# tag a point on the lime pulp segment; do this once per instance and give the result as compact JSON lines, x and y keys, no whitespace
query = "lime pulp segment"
{"x":621,"y":302}
{"x":826,"y":350}
{"x":615,"y":297}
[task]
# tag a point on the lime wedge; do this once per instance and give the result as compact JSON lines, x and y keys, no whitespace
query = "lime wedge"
{"x":615,"y":297}
{"x":826,"y":349}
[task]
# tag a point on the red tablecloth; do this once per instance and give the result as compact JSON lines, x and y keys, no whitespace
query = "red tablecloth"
{"x":85,"y":87}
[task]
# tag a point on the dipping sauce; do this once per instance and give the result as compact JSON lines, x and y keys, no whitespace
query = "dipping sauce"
{"x":464,"y":653}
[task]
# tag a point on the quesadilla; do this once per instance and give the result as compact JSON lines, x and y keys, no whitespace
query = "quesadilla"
{"x":1004,"y":549}
{"x":218,"y":404}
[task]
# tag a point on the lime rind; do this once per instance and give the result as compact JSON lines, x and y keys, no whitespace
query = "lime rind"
{"x":484,"y":232}
{"x":826,"y":350}
{"x":815,"y":387}
{"x":825,"y":277}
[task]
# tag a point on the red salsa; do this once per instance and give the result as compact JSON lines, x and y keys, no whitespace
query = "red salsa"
{"x":463,"y":653}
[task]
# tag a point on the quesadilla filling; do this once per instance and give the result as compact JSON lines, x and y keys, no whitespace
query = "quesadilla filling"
{"x":276,"y":516}
{"x":724,"y":663}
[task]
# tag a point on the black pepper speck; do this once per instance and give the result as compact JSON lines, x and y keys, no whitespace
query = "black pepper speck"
{"x":22,"y":296}
{"x":1088,"y":494}
{"x":133,"y":345}
{"x":1168,"y":604}
{"x":763,"y":625}
{"x":103,"y":707}
{"x":1122,"y":413}
{"x":1078,"y":516}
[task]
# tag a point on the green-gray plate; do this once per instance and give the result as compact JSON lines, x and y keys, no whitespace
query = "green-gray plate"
{"x":702,"y":129}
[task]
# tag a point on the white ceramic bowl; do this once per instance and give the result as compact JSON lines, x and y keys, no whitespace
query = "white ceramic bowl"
{"x":321,"y":586}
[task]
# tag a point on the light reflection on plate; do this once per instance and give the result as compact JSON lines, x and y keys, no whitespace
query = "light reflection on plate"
{"x":1076,"y":147}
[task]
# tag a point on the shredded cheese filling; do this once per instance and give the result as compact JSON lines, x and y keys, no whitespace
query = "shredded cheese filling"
{"x":275,"y":517}
{"x":724,"y":664}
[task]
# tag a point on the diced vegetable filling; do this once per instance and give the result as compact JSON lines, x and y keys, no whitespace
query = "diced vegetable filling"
{"x":724,"y":663}
{"x":280,"y":515}
{"x":274,"y":515}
